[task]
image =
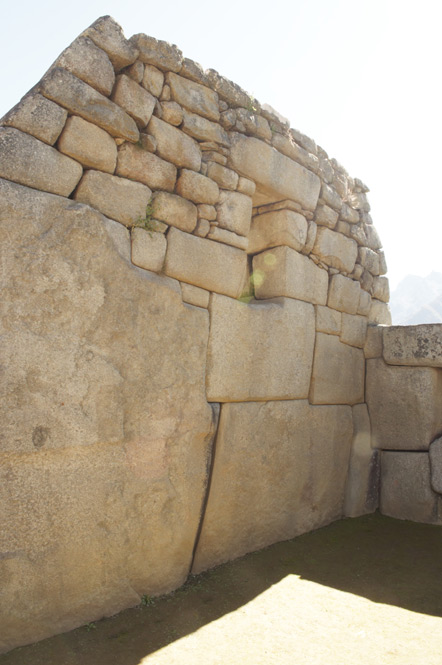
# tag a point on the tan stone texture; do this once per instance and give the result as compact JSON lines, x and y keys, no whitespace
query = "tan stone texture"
{"x":226,"y":178}
{"x":38,"y":116}
{"x":362,"y":489}
{"x":203,"y":129}
{"x":88,"y":144}
{"x":282,"y":227}
{"x":206,"y":212}
{"x":338,"y":372}
{"x":354,"y":330}
{"x":174,"y":210}
{"x":134,"y":99}
{"x":283,"y":272}
{"x":153,"y":80}
{"x":435,"y":454}
{"x":330,"y":197}
{"x":364,"y":303}
{"x":379,"y":313}
{"x":326,"y":216}
{"x":117,"y":198}
{"x":88,"y":63}
{"x":137,"y":164}
{"x":246,"y":186}
{"x":194,"y":96}
{"x":108,"y":35}
{"x":381,"y":289}
{"x":298,"y":490}
{"x":175,"y":146}
{"x":148,"y":249}
{"x":205,"y":263}
{"x":405,"y":405}
{"x":172,"y":113}
{"x":136,"y":71}
{"x":81,"y":99}
{"x":234,"y":212}
{"x":328,"y":320}
{"x":197,"y":187}
{"x":102,"y":489}
{"x":228,"y":237}
{"x":373,"y":342}
{"x":202,"y":228}
{"x":193,"y":295}
{"x":243,"y":366}
{"x":344,"y":294}
{"x":413,"y":345}
{"x":335,"y":249}
{"x":274,"y":174}
{"x":28,"y":161}
{"x":156,"y":52}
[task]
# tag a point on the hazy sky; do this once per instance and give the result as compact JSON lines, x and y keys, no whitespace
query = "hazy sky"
{"x":361,"y":77}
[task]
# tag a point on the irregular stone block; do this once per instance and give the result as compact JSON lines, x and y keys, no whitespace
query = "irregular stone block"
{"x":283,"y":272}
{"x":234,"y":212}
{"x":335,"y":249}
{"x":148,"y":249}
{"x":328,"y":320}
{"x":274,"y":174}
{"x":326,"y":216}
{"x":354,"y":330}
{"x":246,"y":186}
{"x":202,"y":228}
{"x":134,"y":99}
{"x":344,"y":294}
{"x":28,"y":161}
{"x":369,"y":259}
{"x":227,"y":90}
{"x":117,"y":198}
{"x":153,"y":80}
{"x":163,"y":55}
{"x":298,"y":491}
{"x":205,"y":263}
{"x":138,"y":164}
{"x":362,"y":489}
{"x":406,"y":492}
{"x":81,"y":99}
{"x":175,"y":146}
{"x":364,"y":303}
{"x":226,"y":178}
{"x":381,"y":289}
{"x":204,"y":130}
{"x":379,"y":313}
{"x":88,"y":144}
{"x":228,"y":237}
{"x":197,"y":187}
{"x":38,"y":116}
{"x":206,"y":212}
{"x":88,"y":63}
{"x":193,"y":295}
{"x":330,"y":197}
{"x":282,"y":227}
{"x":338,"y":372}
{"x":373,"y":342}
{"x":174,"y":210}
{"x":194,"y":96}
{"x":108,"y":35}
{"x":405,"y":405}
{"x":136,"y":71}
{"x":172,"y":113}
{"x":242,"y":365}
{"x":413,"y":345}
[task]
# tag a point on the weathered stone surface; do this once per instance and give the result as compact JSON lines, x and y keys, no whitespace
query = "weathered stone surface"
{"x":194,"y":96}
{"x":311,"y":237}
{"x":102,"y":495}
{"x":193,"y":71}
{"x":202,"y":228}
{"x":274,"y":174}
{"x":246,"y":186}
{"x":335,"y":249}
{"x":326,"y":216}
{"x":138,"y":164}
{"x":108,"y":35}
{"x":205,"y":263}
{"x":283,"y":272}
{"x":38,"y":116}
{"x":331,"y":197}
{"x":241,"y":364}
{"x":288,"y":147}
{"x":89,"y":63}
{"x":379,"y":313}
{"x":136,"y":71}
{"x":354,"y":330}
{"x":405,"y":405}
{"x":381,"y":289}
{"x":28,"y":161}
{"x":81,"y":99}
{"x":134,"y":99}
{"x":344,"y":294}
{"x":282,"y":227}
{"x":362,"y":490}
{"x":338,"y":372}
{"x":88,"y":144}
{"x":369,"y":259}
{"x":234,"y":212}
{"x":364,"y":303}
{"x":348,"y":214}
{"x":226,"y":178}
{"x":413,"y":345}
{"x":153,"y":80}
{"x":298,"y":491}
{"x":156,"y":52}
{"x":175,"y":146}
{"x":373,"y":342}
{"x":193,"y":295}
{"x":328,"y":320}
{"x":174,"y":210}
{"x":254,"y":124}
{"x":227,"y":90}
{"x":148,"y":249}
{"x":172,"y":113}
{"x":406,"y":492}
{"x":197,"y":187}
{"x":203,"y":129}
{"x":117,"y":198}
{"x":435,"y":453}
{"x":206,"y":212}
{"x":228,"y":237}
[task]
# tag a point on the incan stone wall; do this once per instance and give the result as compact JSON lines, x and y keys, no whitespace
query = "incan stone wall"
{"x":190,"y":292}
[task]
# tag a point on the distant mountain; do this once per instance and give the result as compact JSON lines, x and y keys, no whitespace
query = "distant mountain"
{"x":417,"y":300}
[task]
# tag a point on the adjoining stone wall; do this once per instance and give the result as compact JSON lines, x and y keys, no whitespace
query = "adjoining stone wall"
{"x":190,"y":292}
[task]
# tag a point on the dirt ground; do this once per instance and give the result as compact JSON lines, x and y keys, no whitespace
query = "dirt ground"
{"x":366,"y":591}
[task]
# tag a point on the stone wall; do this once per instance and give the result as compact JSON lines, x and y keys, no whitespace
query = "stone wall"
{"x":190,"y":291}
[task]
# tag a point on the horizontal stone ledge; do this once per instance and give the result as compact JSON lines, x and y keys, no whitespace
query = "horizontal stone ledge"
{"x":419,"y":345}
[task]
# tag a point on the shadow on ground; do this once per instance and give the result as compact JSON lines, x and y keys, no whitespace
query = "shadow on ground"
{"x":385,"y":560}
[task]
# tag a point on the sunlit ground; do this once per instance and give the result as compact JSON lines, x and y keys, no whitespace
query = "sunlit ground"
{"x":359,"y":592}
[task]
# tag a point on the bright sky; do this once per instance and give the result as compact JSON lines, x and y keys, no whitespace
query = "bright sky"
{"x":360,"y":77}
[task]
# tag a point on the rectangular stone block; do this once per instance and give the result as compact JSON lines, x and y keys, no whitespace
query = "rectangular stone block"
{"x":328,"y":320}
{"x":134,"y":99}
{"x":296,"y":453}
{"x":205,"y":263}
{"x":344,"y":294}
{"x":194,"y":96}
{"x":148,"y":249}
{"x":338,"y":372}
{"x":174,"y":210}
{"x":197,"y":188}
{"x":38,"y":116}
{"x":203,"y":129}
{"x":226,"y":178}
{"x":326,"y":216}
{"x":28,"y":161}
{"x":243,"y":366}
{"x":335,"y":249}
{"x":234,"y":212}
{"x":88,"y":63}
{"x":283,"y":272}
{"x":193,"y":295}
{"x":354,"y":330}
{"x":228,"y":237}
{"x":405,"y":405}
{"x":88,"y":144}
{"x":153,"y":80}
{"x":137,"y":164}
{"x":175,"y":146}
{"x":282,"y":227}
{"x":413,"y":345}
